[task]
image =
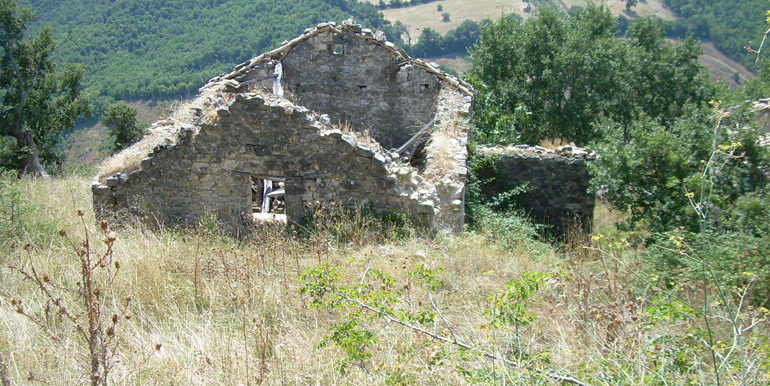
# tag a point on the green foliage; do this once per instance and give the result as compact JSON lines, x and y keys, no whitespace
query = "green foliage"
{"x":490,"y":202}
{"x":168,"y":48}
{"x":554,"y":77}
{"x":352,"y":340}
{"x":431,"y":43}
{"x":698,"y":187}
{"x":122,"y":125}
{"x":402,"y":3}
{"x":659,"y":173}
{"x":510,"y":308}
{"x":488,"y":186}
{"x":375,"y":297}
{"x":737,"y":260}
{"x":39,"y":101}
{"x":730,"y":24}
{"x":759,"y":87}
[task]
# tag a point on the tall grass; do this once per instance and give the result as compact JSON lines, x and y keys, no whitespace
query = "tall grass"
{"x":210,"y":309}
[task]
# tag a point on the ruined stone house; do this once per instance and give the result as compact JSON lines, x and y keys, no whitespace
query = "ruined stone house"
{"x":337,"y":116}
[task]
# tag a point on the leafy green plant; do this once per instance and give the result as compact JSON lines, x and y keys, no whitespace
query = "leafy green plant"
{"x":555,"y":77}
{"x":510,"y":308}
{"x":367,"y":301}
{"x":122,"y":125}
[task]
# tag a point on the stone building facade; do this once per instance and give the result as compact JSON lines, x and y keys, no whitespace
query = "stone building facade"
{"x":337,"y":116}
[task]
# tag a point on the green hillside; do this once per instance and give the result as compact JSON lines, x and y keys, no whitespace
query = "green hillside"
{"x":730,"y":24}
{"x":165,"y":48}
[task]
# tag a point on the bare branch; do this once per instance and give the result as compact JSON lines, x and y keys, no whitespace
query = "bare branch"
{"x":421,"y":330}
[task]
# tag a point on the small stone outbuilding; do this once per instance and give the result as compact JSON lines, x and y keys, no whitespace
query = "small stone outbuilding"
{"x":337,"y":116}
{"x":555,"y":181}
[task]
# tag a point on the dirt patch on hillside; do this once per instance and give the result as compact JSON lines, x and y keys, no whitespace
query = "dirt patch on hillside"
{"x":722,"y":68}
{"x":90,"y":144}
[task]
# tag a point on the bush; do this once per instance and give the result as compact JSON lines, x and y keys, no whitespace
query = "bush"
{"x":662,"y":171}
{"x":123,"y":126}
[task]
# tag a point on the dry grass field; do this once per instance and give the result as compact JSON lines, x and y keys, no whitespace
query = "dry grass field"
{"x":210,"y":309}
{"x":618,"y":7}
{"x":427,"y":16}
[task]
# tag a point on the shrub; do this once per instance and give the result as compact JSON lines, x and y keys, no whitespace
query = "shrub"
{"x":123,"y":126}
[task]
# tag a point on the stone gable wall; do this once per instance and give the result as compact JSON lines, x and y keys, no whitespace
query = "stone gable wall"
{"x":369,"y":87}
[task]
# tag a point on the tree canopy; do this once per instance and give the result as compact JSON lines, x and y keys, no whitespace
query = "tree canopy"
{"x":555,"y":76}
{"x":39,"y":101}
{"x":123,"y":127}
{"x":169,"y":48}
{"x":730,"y":24}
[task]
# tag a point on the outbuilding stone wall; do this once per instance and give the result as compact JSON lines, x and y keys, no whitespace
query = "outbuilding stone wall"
{"x":557,"y":183}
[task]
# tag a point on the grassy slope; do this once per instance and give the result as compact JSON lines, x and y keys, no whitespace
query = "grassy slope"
{"x":229,"y":313}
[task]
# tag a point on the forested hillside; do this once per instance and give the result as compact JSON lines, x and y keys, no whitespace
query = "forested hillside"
{"x":730,"y":24}
{"x":168,"y":48}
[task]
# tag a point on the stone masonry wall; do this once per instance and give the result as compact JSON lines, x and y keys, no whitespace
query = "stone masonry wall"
{"x":369,"y":87}
{"x":557,"y":183}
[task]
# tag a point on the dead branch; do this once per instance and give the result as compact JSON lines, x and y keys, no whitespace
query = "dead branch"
{"x":466,"y":346}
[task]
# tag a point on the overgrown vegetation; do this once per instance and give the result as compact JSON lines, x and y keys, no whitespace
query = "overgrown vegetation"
{"x":38,"y":101}
{"x":730,"y":24}
{"x":555,"y":77}
{"x":208,"y":308}
{"x":672,"y":285}
{"x":123,"y":127}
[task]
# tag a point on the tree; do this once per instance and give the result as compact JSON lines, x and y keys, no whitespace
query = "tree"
{"x":124,"y":129}
{"x":660,"y":169}
{"x":445,"y":17}
{"x":429,"y":43}
{"x":38,"y":102}
{"x":554,"y":77}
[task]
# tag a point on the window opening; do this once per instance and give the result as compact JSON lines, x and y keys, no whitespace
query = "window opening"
{"x":268,"y":198}
{"x":336,"y":49}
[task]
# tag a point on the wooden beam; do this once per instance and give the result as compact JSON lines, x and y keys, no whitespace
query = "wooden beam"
{"x":411,"y":141}
{"x":259,"y":78}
